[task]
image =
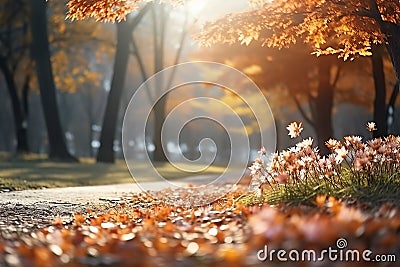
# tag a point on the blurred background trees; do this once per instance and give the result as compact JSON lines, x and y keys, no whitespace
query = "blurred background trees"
{"x":33,"y":34}
{"x":347,"y":28}
{"x":313,"y":87}
{"x":96,"y":67}
{"x":108,"y":134}
{"x":40,"y":53}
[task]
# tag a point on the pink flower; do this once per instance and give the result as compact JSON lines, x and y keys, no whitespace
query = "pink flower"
{"x":360,"y":163}
{"x":282,"y":178}
{"x":262,"y":151}
{"x":375,"y":143}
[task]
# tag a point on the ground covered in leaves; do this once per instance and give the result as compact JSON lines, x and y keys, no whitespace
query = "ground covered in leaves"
{"x":140,"y":230}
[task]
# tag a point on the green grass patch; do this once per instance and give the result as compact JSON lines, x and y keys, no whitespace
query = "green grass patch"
{"x":373,"y":191}
{"x":36,"y":171}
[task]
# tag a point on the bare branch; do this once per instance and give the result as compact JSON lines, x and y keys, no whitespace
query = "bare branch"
{"x":139,"y":59}
{"x":336,"y":78}
{"x":302,"y":111}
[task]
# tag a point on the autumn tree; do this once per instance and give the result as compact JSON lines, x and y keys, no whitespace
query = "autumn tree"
{"x":78,"y":53}
{"x":14,"y":56}
{"x":345,"y":27}
{"x":124,"y":32}
{"x":41,"y":55}
{"x":118,"y":12}
{"x":349,"y":28}
{"x":69,"y":62}
{"x":294,"y":78}
{"x":163,"y":55}
{"x":40,"y":51}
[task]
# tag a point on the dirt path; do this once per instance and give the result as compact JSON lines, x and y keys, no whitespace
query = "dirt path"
{"x":23,"y":211}
{"x":27,"y":210}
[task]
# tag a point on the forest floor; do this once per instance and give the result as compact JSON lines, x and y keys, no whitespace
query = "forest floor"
{"x":34,"y":191}
{"x":116,"y":224}
{"x":111,"y":225}
{"x":26,"y":210}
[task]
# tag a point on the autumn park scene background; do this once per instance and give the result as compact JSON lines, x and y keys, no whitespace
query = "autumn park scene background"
{"x":199,"y":133}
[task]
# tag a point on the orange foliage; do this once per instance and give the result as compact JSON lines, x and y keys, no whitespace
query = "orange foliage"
{"x":226,"y":234}
{"x":105,"y":10}
{"x":344,"y":27}
{"x":102,"y":10}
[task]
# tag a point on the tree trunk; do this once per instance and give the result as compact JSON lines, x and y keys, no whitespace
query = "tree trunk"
{"x":379,"y":116}
{"x":159,"y":117}
{"x":391,"y":107}
{"x":106,"y":151}
{"x":323,"y":104}
{"x":23,"y":136}
{"x":124,"y":33}
{"x":392,"y":33}
{"x":159,"y":22}
{"x":393,"y":48}
{"x":41,"y":55}
{"x":19,"y":118}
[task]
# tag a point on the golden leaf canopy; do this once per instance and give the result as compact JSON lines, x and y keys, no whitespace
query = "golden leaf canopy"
{"x":344,"y":27}
{"x":101,"y":10}
{"x":106,"y":10}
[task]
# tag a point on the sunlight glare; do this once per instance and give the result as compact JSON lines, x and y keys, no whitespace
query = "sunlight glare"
{"x":206,"y":10}
{"x":195,"y":7}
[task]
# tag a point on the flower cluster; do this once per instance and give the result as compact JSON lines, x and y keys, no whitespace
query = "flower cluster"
{"x":379,"y":156}
{"x":303,"y":163}
{"x":299,"y":163}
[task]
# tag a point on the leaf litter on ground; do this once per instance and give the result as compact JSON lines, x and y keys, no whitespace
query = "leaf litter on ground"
{"x":141,"y":230}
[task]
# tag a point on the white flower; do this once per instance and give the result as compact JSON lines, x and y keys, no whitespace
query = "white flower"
{"x":341,"y":154}
{"x":294,"y":129}
{"x":332,"y":144}
{"x":305,"y":143}
{"x":353,"y":140}
{"x":371,"y":126}
{"x":255,"y":168}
